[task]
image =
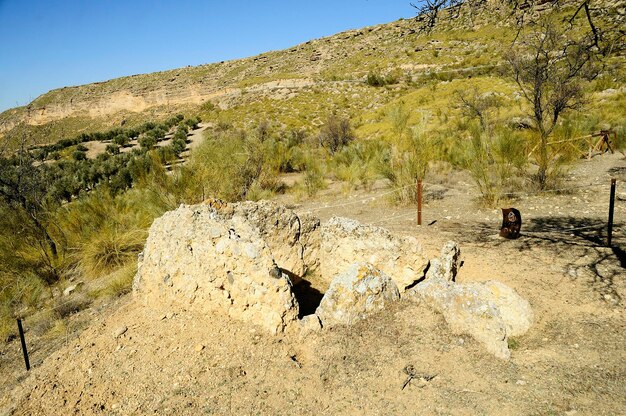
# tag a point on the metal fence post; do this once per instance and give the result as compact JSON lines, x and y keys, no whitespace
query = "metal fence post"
{"x":419,"y":202}
{"x":24,"y":350}
{"x":611,"y":207}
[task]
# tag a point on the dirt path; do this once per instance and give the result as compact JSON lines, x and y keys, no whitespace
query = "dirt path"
{"x":571,"y":362}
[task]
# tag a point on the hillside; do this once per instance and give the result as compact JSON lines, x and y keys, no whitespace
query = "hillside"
{"x":298,"y":86}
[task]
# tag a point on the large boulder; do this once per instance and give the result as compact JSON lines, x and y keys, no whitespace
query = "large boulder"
{"x":355,"y":294}
{"x":238,"y":258}
{"x":346,"y":241}
{"x":490,"y":311}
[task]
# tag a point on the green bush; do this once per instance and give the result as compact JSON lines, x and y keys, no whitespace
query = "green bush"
{"x":121,"y":140}
{"x":227,"y":166}
{"x":79,"y":155}
{"x":147,"y":142}
{"x":360,"y":162}
{"x":375,"y":79}
{"x":178,"y":146}
{"x":109,"y":250}
{"x":112,"y":149}
{"x":407,"y":162}
{"x":180,"y":135}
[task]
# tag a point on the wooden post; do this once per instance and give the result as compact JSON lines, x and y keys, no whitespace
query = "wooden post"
{"x":419,"y":202}
{"x":24,"y":350}
{"x":611,"y":207}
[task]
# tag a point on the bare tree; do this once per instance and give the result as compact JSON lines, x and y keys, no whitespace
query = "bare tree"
{"x":549,"y":69}
{"x":475,"y":105}
{"x":605,"y":23}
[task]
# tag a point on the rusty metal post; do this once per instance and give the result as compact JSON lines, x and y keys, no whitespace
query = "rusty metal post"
{"x":24,"y":350}
{"x":611,"y":208}
{"x":419,"y":202}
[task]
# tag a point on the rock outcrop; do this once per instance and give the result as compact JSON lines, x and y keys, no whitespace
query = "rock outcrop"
{"x":488,"y":311}
{"x":447,"y":265}
{"x":238,"y":258}
{"x":244,"y":259}
{"x":355,"y":294}
{"x":346,"y":241}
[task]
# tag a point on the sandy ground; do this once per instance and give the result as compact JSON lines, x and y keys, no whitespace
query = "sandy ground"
{"x":571,"y":362}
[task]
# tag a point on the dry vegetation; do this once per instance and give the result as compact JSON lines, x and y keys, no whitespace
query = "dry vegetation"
{"x":322,"y":123}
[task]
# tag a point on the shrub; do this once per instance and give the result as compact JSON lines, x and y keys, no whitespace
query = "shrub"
{"x":178,"y":146}
{"x":180,"y":135}
{"x":147,"y":141}
{"x":192,"y":123}
{"x":375,"y":79}
{"x":182,"y":128}
{"x":109,"y":250}
{"x":166,"y":154}
{"x":493,"y":162}
{"x":359,"y":163}
{"x":407,"y":162}
{"x":79,"y":155}
{"x":335,"y":134}
{"x":112,"y":149}
{"x":121,"y":140}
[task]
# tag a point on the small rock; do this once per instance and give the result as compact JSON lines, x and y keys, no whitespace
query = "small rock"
{"x":120,"y":331}
{"x":521,"y":382}
{"x":199,"y":347}
{"x":309,"y":324}
{"x":68,"y":290}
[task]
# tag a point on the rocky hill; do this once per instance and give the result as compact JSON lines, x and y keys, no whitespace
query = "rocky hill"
{"x":309,"y":76}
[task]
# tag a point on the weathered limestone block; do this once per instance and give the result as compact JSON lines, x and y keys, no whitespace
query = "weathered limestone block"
{"x":346,"y":241}
{"x":488,"y":311}
{"x":355,"y":294}
{"x":293,"y":239}
{"x":197,"y":259}
{"x":515,"y":311}
{"x":447,"y":265}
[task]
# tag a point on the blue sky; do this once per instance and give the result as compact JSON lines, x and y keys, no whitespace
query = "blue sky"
{"x":51,"y":44}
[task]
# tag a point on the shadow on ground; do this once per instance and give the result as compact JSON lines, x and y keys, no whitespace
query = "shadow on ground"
{"x":582,"y":240}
